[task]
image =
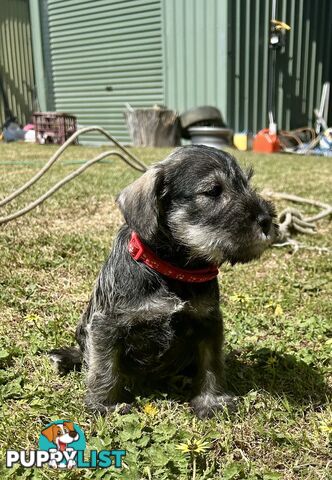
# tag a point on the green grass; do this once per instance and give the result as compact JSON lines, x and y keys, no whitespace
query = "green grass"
{"x":278,"y":333}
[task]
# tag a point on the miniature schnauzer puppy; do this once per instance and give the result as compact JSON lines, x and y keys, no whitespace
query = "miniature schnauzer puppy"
{"x":155,"y":311}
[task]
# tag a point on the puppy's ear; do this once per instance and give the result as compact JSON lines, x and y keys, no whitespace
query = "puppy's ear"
{"x":50,"y":433}
{"x":140,"y":204}
{"x":69,"y":425}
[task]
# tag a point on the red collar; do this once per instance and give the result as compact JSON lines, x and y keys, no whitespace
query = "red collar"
{"x":141,"y":252}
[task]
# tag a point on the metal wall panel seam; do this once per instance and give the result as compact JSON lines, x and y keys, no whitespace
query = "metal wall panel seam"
{"x":38,"y":53}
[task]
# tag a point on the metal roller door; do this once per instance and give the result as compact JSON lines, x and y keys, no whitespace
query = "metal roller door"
{"x":16,"y":64}
{"x":105,"y":53}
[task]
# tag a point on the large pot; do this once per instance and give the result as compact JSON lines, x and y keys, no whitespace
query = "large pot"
{"x":211,"y":136}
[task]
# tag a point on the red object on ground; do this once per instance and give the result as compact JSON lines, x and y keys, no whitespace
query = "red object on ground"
{"x":266,"y":142}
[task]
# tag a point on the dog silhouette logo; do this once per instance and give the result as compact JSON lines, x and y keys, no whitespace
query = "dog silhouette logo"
{"x":62,"y":439}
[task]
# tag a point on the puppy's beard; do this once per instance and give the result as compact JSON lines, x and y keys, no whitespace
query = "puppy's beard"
{"x":201,"y":241}
{"x":218,"y":247}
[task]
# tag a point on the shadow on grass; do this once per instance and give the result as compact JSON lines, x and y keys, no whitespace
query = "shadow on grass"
{"x":279,"y":374}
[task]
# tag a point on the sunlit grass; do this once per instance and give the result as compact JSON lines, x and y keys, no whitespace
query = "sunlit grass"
{"x":277,"y":318}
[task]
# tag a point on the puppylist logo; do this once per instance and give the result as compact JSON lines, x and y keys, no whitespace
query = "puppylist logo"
{"x":62,"y":445}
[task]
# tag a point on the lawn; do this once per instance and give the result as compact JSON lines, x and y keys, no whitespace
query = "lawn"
{"x":278,"y":333}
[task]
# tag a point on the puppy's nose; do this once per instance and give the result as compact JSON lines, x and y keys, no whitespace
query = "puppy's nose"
{"x":265,"y":222}
{"x":72,"y":434}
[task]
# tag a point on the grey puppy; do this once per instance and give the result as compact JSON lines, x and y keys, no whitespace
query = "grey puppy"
{"x":191,"y":212}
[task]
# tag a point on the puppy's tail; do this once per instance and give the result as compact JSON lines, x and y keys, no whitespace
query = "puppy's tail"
{"x":66,"y":359}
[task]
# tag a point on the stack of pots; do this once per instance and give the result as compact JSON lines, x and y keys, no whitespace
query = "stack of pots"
{"x":205,"y":126}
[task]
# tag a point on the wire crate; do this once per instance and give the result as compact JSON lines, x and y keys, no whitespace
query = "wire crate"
{"x":54,"y":127}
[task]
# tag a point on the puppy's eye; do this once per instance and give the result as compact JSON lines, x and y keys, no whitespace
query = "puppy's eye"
{"x":213,"y":192}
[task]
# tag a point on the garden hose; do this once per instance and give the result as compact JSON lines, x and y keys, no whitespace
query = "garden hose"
{"x":128,"y":157}
{"x":289,"y":220}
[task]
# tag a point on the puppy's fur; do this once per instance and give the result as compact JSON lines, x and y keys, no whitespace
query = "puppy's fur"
{"x":194,"y":209}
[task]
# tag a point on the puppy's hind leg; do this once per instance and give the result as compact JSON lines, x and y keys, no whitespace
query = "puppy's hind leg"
{"x":106,"y":384}
{"x":66,"y":359}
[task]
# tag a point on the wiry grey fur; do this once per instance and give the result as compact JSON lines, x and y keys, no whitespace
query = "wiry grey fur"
{"x":194,"y":208}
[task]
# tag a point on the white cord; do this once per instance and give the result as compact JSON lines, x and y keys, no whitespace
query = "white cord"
{"x":132,"y":161}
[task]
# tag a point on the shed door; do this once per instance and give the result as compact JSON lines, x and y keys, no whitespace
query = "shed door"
{"x":16,"y":65}
{"x":105,"y":53}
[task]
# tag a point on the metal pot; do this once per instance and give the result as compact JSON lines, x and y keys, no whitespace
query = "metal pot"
{"x":211,"y":136}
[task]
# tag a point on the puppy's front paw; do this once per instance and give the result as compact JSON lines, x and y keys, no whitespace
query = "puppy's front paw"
{"x":207,"y":404}
{"x":121,"y":408}
{"x":103,"y":409}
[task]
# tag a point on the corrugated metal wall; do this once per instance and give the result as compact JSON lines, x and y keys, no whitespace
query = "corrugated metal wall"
{"x":302,"y":67}
{"x":16,"y":63}
{"x":106,"y":43}
{"x":195,"y":36}
{"x":186,"y":53}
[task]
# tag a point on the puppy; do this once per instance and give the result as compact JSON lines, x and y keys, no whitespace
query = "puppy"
{"x":154,"y":312}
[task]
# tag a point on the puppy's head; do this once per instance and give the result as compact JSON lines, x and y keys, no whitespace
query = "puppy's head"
{"x":201,"y":199}
{"x":61,"y":434}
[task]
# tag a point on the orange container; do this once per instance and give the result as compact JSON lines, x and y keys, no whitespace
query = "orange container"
{"x":266,"y":142}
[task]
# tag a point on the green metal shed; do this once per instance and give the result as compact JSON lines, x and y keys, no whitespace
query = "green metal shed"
{"x":195,"y":40}
{"x":16,"y":62}
{"x":302,"y":66}
{"x":96,"y":55}
{"x":105,"y":54}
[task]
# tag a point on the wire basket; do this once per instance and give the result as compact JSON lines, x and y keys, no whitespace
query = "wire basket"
{"x":54,"y":127}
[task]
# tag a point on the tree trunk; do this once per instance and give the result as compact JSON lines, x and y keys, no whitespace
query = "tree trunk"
{"x":153,"y":127}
